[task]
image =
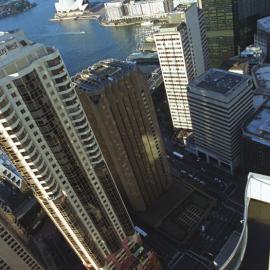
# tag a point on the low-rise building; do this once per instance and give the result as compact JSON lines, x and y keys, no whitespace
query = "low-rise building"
{"x":245,"y":61}
{"x":8,"y":171}
{"x":256,"y":141}
{"x":114,"y":10}
{"x":136,"y":9}
{"x":219,"y":102}
{"x":14,"y":251}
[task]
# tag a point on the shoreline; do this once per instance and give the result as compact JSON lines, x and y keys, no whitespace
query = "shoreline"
{"x":32,"y":5}
{"x":75,"y":18}
{"x":92,"y":17}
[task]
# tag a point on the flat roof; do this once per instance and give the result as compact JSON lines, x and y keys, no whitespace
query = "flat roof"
{"x":170,"y":27}
{"x":258,"y":126}
{"x":227,"y":249}
{"x":219,"y":84}
{"x":4,"y":161}
{"x":262,"y":75}
{"x":95,"y":77}
{"x":264,"y":24}
{"x":188,"y":262}
{"x":220,"y":81}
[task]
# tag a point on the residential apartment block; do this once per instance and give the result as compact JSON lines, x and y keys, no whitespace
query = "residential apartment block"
{"x":47,"y":136}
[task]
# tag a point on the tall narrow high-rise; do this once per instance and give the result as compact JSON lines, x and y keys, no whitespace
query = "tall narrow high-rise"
{"x":182,"y":52}
{"x":46,"y":134}
{"x":118,"y":105}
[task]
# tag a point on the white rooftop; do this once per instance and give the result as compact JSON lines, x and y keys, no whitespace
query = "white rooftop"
{"x":70,"y":5}
{"x":264,"y":24}
{"x":252,"y":51}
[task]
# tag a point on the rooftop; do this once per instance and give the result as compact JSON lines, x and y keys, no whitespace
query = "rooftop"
{"x":262,"y":76}
{"x":258,"y":126}
{"x":170,"y":27}
{"x":104,"y":72}
{"x":219,"y":81}
{"x":4,"y":161}
{"x":252,"y":51}
{"x":264,"y":24}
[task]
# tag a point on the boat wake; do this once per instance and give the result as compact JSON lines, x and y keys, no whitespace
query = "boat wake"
{"x":59,"y":34}
{"x":72,"y":33}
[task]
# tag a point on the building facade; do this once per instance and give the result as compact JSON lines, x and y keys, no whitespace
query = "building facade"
{"x":46,"y":134}
{"x":219,"y":103}
{"x":256,"y":142}
{"x":117,"y":9}
{"x":182,"y":55}
{"x":14,"y":252}
{"x":118,"y":105}
{"x":230,"y":26}
{"x":114,"y":10}
{"x":8,"y":172}
{"x":262,"y":36}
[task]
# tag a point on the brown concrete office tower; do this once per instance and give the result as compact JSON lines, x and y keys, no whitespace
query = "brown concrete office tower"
{"x":46,"y":134}
{"x":14,"y":243}
{"x":119,"y":107}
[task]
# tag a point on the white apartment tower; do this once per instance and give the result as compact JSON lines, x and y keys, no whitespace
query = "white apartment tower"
{"x":46,"y":134}
{"x":219,"y":101}
{"x":182,"y":55}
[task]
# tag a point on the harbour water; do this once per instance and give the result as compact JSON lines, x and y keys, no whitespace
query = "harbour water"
{"x":81,"y":43}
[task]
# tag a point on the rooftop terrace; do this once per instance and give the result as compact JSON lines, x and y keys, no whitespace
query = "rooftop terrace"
{"x":219,"y":81}
{"x":94,"y":78}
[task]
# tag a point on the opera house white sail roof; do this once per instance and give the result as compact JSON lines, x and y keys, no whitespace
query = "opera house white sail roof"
{"x":70,"y":5}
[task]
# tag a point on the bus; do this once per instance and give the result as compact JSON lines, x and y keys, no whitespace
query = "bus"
{"x":140,"y":231}
{"x":178,"y":155}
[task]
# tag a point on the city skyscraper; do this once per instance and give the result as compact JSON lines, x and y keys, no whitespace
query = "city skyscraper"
{"x":14,"y":251}
{"x":46,"y":134}
{"x":183,"y":56}
{"x":230,"y":26}
{"x":119,"y":108}
{"x":262,"y":36}
{"x":219,"y":103}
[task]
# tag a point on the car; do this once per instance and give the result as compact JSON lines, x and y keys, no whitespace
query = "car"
{"x":190,"y":175}
{"x":203,"y":183}
{"x":217,"y":180}
{"x":183,"y":172}
{"x":196,"y":178}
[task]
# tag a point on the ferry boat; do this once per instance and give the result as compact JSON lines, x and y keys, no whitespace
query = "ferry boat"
{"x":147,"y":23}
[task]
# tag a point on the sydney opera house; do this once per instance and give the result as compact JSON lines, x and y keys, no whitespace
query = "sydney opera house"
{"x":67,"y":6}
